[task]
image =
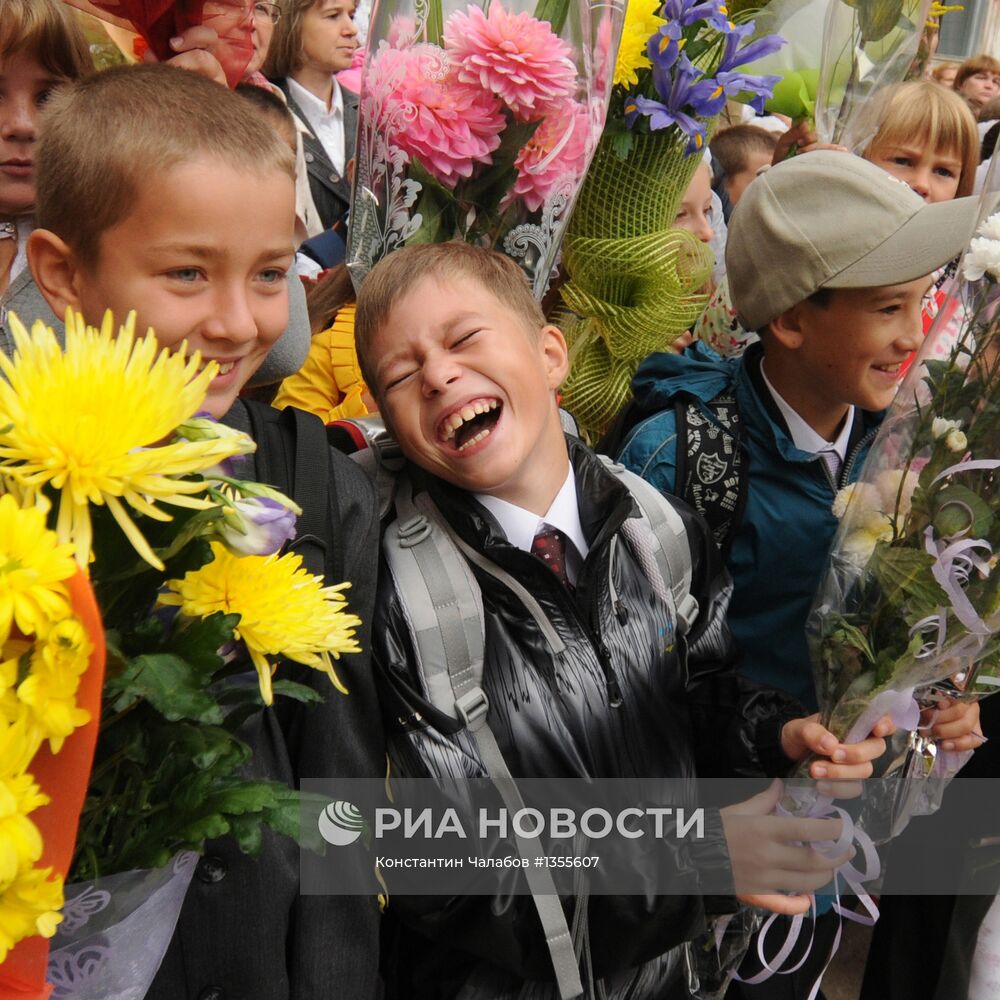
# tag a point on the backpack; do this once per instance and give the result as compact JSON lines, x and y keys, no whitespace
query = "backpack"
{"x":288,"y":443}
{"x":711,"y":462}
{"x":442,"y":604}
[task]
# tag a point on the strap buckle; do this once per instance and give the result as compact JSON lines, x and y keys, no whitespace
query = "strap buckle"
{"x":413,"y":531}
{"x":472,"y":707}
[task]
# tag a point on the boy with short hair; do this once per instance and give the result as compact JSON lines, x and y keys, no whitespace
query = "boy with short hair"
{"x":829,"y":258}
{"x":465,"y":371}
{"x":738,"y":155}
{"x":849,"y":251}
{"x":162,"y":192}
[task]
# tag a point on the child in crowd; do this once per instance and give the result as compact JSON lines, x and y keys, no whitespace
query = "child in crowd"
{"x":738,"y":154}
{"x":466,"y":372}
{"x":274,"y":109}
{"x":837,"y":314}
{"x":330,"y":383}
{"x":945,"y":73}
{"x":837,"y":323}
{"x":927,"y":138}
{"x":695,"y":210}
{"x":184,"y":210}
{"x":41,"y":48}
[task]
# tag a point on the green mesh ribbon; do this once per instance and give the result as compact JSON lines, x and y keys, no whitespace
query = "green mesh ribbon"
{"x":634,"y":284}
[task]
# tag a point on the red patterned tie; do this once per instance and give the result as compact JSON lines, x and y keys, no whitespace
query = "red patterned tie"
{"x":549,"y":545}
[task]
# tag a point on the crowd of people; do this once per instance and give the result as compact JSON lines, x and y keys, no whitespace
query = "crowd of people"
{"x":157,"y":188}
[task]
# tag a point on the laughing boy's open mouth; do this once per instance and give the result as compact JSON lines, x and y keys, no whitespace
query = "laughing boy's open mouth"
{"x":470,"y":423}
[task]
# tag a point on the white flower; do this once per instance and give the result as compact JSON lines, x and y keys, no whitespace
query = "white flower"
{"x":942,"y":428}
{"x":982,"y":257}
{"x":956,"y":441}
{"x":863,"y":498}
{"x":859,"y":545}
{"x":893,"y":484}
{"x":990,"y":228}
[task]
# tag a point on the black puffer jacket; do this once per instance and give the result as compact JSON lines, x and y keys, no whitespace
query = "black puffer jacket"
{"x":623,"y":701}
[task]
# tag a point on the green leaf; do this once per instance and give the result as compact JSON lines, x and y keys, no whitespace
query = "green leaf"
{"x":198,"y":640}
{"x":553,"y":11}
{"x":436,"y":206}
{"x":299,"y":692}
{"x":174,"y":687}
{"x":486,"y":190}
{"x":905,"y":578}
{"x":248,"y":832}
{"x":621,"y":143}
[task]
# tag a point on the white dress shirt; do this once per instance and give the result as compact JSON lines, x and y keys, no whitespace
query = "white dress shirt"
{"x":520,"y":525}
{"x":327,"y":123}
{"x":806,"y":439}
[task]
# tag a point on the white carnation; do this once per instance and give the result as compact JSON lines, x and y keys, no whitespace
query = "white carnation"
{"x":956,"y":441}
{"x":942,"y":428}
{"x":982,"y":257}
{"x":991,"y":227}
{"x":894,"y":484}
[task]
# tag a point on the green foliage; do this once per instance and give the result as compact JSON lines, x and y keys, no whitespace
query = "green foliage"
{"x":170,"y":769}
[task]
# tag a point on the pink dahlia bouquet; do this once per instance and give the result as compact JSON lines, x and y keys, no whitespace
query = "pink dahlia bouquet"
{"x":477,"y":126}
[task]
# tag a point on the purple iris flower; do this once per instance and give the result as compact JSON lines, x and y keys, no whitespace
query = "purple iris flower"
{"x":733,"y":55}
{"x":762,"y":87}
{"x":664,"y":47}
{"x":662,"y":116}
{"x":686,"y":12}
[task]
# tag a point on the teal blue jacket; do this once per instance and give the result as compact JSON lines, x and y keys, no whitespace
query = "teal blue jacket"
{"x":781,"y":544}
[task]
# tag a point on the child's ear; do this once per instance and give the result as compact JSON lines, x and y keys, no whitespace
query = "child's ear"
{"x":787,"y":329}
{"x":555,"y":353}
{"x":55,"y":269}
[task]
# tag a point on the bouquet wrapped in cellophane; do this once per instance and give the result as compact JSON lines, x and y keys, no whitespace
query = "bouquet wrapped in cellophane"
{"x":144,"y":606}
{"x":911,"y":596}
{"x":828,"y":75}
{"x":478,"y":123}
{"x":635,"y":282}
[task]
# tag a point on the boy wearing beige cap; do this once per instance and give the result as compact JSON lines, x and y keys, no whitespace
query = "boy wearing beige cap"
{"x":828,"y":258}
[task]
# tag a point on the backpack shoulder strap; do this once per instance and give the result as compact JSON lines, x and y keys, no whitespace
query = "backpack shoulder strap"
{"x":711,"y":473}
{"x":292,"y":457}
{"x":660,"y":543}
{"x":443,"y":607}
{"x":370,"y":445}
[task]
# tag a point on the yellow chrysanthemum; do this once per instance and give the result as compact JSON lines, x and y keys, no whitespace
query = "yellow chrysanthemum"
{"x":284,"y":610}
{"x":20,"y":841}
{"x":89,"y":420}
{"x":60,"y":658}
{"x":33,"y":567}
{"x":641,"y":22}
{"x":29,"y":905}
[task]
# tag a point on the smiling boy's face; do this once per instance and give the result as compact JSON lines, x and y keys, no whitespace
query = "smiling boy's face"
{"x":469,"y":391}
{"x":202,"y":257}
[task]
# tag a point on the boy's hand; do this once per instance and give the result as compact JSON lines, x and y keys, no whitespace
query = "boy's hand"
{"x":954,"y":724}
{"x":768,"y":857}
{"x":848,"y":761}
{"x":195,"y":48}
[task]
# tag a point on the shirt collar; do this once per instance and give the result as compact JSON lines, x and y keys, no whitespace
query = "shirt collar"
{"x":803,"y":436}
{"x":312,"y":105}
{"x":520,"y":525}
